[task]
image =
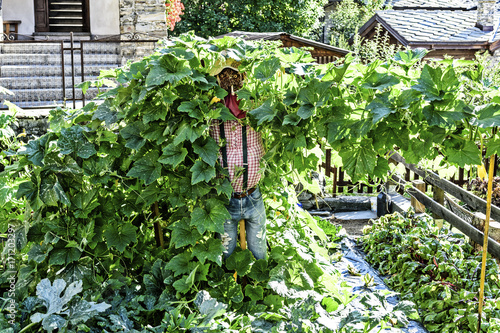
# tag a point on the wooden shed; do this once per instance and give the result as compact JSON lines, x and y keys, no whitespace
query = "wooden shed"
{"x":323,"y":53}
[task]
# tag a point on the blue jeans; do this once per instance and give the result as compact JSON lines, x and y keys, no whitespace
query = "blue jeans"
{"x":251,"y":209}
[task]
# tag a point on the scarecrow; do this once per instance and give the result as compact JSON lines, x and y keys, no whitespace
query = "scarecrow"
{"x":240,"y":155}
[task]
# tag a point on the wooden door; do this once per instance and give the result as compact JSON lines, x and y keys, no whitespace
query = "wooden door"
{"x":86,"y":15}
{"x":42,"y":15}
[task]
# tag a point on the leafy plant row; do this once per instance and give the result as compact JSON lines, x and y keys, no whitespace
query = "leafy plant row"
{"x":96,"y":176}
{"x":435,"y":268}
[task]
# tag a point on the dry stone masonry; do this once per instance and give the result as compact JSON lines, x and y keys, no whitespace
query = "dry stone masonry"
{"x":486,"y":10}
{"x":141,"y":18}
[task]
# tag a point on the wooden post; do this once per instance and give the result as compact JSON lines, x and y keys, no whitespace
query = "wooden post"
{"x":335,"y":182}
{"x":438,"y":196}
{"x":157,"y":227}
{"x":243,"y":235}
{"x":418,"y":206}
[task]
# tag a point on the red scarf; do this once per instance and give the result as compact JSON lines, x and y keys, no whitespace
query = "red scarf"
{"x":232,"y":103}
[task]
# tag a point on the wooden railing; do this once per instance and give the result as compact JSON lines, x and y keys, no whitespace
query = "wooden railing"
{"x":436,"y":204}
{"x":341,"y":185}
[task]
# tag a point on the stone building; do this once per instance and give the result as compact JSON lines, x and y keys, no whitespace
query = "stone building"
{"x":41,"y":67}
{"x":327,"y":26}
{"x":457,"y":28}
{"x":42,"y":19}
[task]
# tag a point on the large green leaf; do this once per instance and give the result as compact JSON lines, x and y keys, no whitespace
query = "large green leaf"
{"x":147,"y":168}
{"x":35,"y":150}
{"x":264,"y":113}
{"x":154,"y":109}
{"x":434,"y":83}
{"x":188,"y":131}
{"x":38,"y":252}
{"x":132,"y":135}
{"x":192,"y":108}
{"x":208,"y":151}
{"x":240,"y":262}
{"x":120,"y":235}
{"x":379,"y":81}
{"x":468,"y":154}
{"x":210,"y":218}
{"x":267,"y":68}
{"x":168,"y":68}
{"x":173,"y":155}
{"x":487,"y":115}
{"x":64,"y":256}
{"x":443,"y":118}
{"x":410,"y":57}
{"x":380,"y":107}
{"x":202,"y":172}
{"x":211,"y":249}
{"x":184,"y":234}
{"x":493,"y":146}
{"x":106,"y":112}
{"x":338,"y":130}
{"x":259,"y":271}
{"x":180,"y":264}
{"x":255,"y":293}
{"x":51,"y":191}
{"x":227,"y":289}
{"x":359,"y":161}
{"x":73,"y":140}
{"x":85,"y":202}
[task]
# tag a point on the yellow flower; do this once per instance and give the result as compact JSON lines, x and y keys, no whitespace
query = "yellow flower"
{"x":215,"y":100}
{"x":23,"y":134}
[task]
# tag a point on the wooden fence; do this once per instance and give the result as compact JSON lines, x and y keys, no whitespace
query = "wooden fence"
{"x":341,"y":185}
{"x":468,"y":225}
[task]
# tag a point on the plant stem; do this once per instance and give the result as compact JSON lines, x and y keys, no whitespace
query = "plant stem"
{"x":485,"y":242}
{"x":27,"y":327}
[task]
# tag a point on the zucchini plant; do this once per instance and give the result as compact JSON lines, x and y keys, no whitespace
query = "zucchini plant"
{"x":98,"y":175}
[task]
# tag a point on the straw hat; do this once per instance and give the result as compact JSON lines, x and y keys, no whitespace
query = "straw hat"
{"x":223,"y":63}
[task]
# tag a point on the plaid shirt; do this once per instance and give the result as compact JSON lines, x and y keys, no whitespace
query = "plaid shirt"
{"x":234,"y":148}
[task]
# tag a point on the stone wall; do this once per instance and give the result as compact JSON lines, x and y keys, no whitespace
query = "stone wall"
{"x":142,"y":19}
{"x":327,"y":26}
{"x":33,"y":124}
{"x":495,"y":57}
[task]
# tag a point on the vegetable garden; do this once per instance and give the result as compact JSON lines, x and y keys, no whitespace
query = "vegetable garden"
{"x":110,"y":217}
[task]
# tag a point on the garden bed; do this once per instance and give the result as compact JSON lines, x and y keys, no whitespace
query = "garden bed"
{"x":435,"y":268}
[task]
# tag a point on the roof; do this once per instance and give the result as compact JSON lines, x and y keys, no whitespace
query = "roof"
{"x":433,"y":4}
{"x":437,"y":28}
{"x":279,"y":35}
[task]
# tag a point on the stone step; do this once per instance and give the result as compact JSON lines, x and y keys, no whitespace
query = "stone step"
{"x":12,"y":71}
{"x":46,"y":95}
{"x":38,"y":82}
{"x":338,"y":204}
{"x":363,"y":215}
{"x":52,"y":59}
{"x":110,"y":47}
{"x":353,"y":222}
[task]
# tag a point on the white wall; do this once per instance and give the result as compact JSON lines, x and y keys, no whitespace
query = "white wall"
{"x":22,"y":10}
{"x":104,"y":17}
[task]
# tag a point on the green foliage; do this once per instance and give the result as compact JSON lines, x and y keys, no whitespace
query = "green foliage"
{"x":347,"y":17}
{"x":11,"y":175}
{"x":58,"y":305}
{"x":436,"y":269}
{"x":213,"y":18}
{"x":94,"y":178}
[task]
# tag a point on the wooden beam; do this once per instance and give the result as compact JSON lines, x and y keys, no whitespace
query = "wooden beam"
{"x":471,"y":232}
{"x":417,"y":205}
{"x":473,"y":201}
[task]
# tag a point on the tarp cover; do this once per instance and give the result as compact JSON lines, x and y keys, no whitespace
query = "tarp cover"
{"x":354,"y":256}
